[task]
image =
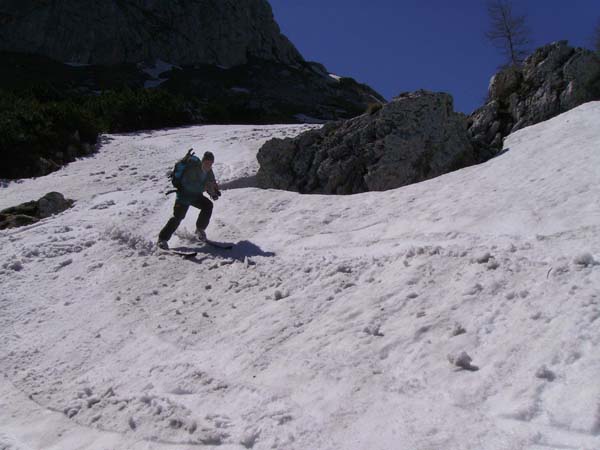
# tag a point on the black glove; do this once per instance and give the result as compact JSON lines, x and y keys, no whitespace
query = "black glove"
{"x":215,"y":195}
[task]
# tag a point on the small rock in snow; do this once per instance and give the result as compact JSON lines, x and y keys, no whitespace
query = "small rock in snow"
{"x":483,"y":258}
{"x":249,"y":438}
{"x":584,"y":259}
{"x":545,"y":374}
{"x":458,"y":329}
{"x":373,"y":330}
{"x":492,"y":264}
{"x":462,"y":360}
{"x":342,"y":268}
{"x":16,"y":266}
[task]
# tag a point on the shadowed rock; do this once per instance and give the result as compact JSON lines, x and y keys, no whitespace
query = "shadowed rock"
{"x":33,"y":211}
{"x":414,"y":137}
{"x":554,"y":79}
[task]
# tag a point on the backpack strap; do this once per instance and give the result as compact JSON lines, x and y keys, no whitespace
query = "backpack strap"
{"x":189,"y":154}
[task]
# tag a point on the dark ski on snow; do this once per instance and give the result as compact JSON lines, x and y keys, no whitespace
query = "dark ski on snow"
{"x":182,"y":253}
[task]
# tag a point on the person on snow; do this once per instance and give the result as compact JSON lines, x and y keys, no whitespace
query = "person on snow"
{"x":194,"y":179}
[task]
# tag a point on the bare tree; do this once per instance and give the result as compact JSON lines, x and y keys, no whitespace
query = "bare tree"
{"x":508,"y":32}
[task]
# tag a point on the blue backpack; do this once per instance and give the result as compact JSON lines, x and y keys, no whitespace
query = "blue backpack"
{"x":176,"y":174}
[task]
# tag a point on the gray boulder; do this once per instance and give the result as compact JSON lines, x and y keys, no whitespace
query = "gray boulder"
{"x":33,"y":211}
{"x":414,"y":137}
{"x":554,"y":79}
{"x":222,"y":32}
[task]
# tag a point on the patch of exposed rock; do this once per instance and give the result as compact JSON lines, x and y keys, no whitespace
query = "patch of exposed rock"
{"x":554,"y":79}
{"x":33,"y":211}
{"x":414,"y":137}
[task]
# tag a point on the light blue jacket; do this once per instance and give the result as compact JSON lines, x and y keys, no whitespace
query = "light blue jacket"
{"x":194,"y":182}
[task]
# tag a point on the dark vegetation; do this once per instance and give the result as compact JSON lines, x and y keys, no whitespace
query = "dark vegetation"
{"x":52,"y":113}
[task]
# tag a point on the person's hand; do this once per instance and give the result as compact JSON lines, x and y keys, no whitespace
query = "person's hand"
{"x":215,"y":194}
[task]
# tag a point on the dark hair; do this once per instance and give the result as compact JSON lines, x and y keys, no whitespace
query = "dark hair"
{"x":208,"y":156}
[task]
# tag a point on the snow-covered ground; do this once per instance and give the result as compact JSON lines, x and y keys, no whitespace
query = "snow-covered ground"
{"x":332,"y":322}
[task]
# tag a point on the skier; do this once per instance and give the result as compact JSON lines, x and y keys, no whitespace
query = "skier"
{"x":193,"y":177}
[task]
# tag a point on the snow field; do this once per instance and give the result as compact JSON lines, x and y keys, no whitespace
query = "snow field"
{"x":333,"y":321}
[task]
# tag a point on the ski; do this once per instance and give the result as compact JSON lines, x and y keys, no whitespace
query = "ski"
{"x":182,"y":253}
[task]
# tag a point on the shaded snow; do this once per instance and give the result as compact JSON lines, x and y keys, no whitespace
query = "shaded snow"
{"x":155,"y":70}
{"x":333,"y":322}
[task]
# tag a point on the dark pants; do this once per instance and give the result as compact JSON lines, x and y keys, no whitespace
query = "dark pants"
{"x":179,"y":211}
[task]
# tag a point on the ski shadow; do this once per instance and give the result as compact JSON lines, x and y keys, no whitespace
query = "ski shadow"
{"x":239,"y":252}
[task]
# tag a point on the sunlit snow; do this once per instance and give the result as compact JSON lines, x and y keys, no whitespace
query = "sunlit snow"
{"x":458,"y":313}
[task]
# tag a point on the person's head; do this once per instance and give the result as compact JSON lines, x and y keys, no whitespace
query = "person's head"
{"x":207,"y":160}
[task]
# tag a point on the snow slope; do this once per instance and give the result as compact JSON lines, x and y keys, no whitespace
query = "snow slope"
{"x":331,"y":322}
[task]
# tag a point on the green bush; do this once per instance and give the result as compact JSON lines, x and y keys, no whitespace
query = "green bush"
{"x":32,"y":128}
{"x":131,"y":110}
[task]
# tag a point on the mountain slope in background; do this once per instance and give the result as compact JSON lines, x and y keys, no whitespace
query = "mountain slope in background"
{"x":72,"y":69}
{"x":331,"y":322}
{"x":112,"y":32}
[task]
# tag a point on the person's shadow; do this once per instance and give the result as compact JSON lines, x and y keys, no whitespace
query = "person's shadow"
{"x":238,"y":252}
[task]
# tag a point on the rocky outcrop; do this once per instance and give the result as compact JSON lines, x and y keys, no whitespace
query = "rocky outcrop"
{"x":219,"y":32}
{"x":33,"y":211}
{"x":415,"y":137}
{"x":267,"y":92}
{"x":554,"y":79}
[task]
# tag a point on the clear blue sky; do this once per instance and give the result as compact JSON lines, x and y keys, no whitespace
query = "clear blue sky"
{"x":403,"y":45}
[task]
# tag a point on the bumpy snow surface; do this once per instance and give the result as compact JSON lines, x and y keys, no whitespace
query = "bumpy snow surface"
{"x":458,"y":313}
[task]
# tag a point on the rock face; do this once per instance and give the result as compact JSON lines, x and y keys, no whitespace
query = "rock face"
{"x":31,"y":212}
{"x":266,"y":92}
{"x":554,"y":79}
{"x":414,"y":137}
{"x":220,"y":32}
